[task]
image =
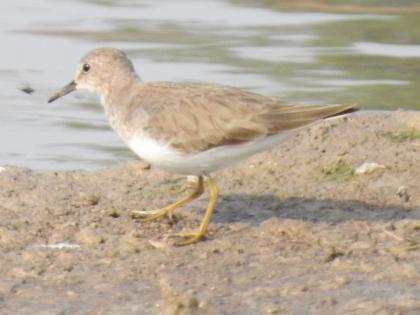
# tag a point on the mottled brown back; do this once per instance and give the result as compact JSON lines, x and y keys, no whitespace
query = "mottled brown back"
{"x":195,"y":116}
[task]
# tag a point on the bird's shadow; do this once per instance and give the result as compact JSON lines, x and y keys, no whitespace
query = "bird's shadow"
{"x":254,"y":209}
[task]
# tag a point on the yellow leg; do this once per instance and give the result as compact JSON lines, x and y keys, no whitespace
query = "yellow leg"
{"x":194,"y":236}
{"x":168,"y":210}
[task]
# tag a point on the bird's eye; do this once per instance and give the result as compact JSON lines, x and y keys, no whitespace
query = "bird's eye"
{"x":86,"y":67}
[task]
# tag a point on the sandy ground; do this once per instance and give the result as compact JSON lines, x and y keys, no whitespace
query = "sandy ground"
{"x":296,"y":231}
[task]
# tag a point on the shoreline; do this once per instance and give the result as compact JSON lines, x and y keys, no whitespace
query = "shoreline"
{"x":296,"y":228}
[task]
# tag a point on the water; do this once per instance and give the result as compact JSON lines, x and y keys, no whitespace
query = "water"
{"x":308,"y":57}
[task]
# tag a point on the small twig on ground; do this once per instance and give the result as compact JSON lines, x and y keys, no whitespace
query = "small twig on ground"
{"x":412,"y":244}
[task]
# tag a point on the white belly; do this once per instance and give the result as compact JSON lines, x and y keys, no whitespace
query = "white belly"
{"x":198,"y":163}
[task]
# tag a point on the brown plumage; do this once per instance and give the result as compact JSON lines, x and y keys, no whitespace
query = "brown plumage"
{"x":197,"y":116}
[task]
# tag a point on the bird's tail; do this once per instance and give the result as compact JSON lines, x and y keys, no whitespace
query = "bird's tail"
{"x":296,"y":116}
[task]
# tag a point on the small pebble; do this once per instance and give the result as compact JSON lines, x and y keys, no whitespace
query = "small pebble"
{"x":368,"y":167}
{"x":27,"y":89}
{"x":402,"y":192}
{"x":85,"y":200}
{"x":89,"y":237}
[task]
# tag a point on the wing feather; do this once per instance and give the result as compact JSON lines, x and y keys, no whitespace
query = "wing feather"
{"x":193,"y":116}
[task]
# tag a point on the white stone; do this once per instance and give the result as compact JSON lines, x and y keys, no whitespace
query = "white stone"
{"x":368,"y":167}
{"x":61,"y":246}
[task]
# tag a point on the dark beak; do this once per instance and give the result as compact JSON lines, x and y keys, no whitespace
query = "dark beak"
{"x":65,"y":90}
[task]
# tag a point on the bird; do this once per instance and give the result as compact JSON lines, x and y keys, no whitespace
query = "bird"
{"x":189,"y":128}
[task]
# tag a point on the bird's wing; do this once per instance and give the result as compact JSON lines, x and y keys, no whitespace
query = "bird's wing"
{"x":193,"y":117}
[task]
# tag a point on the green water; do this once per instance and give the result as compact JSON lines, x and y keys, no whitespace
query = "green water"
{"x":368,"y":59}
{"x":364,"y":52}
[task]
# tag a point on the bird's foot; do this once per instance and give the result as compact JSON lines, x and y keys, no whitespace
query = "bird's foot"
{"x":189,"y":237}
{"x":148,"y":216}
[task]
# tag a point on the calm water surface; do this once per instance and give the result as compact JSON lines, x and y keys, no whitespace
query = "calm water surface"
{"x":308,"y":57}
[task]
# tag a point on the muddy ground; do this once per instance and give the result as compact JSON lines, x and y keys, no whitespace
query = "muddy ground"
{"x":296,"y":231}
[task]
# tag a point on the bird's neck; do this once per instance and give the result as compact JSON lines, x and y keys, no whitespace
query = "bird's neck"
{"x":112,"y":88}
{"x":115,"y":102}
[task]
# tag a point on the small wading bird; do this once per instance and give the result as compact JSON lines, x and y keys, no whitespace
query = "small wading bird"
{"x":189,"y":128}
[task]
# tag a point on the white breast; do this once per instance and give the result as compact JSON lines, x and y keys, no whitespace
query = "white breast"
{"x":167,"y":158}
{"x":155,"y":152}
